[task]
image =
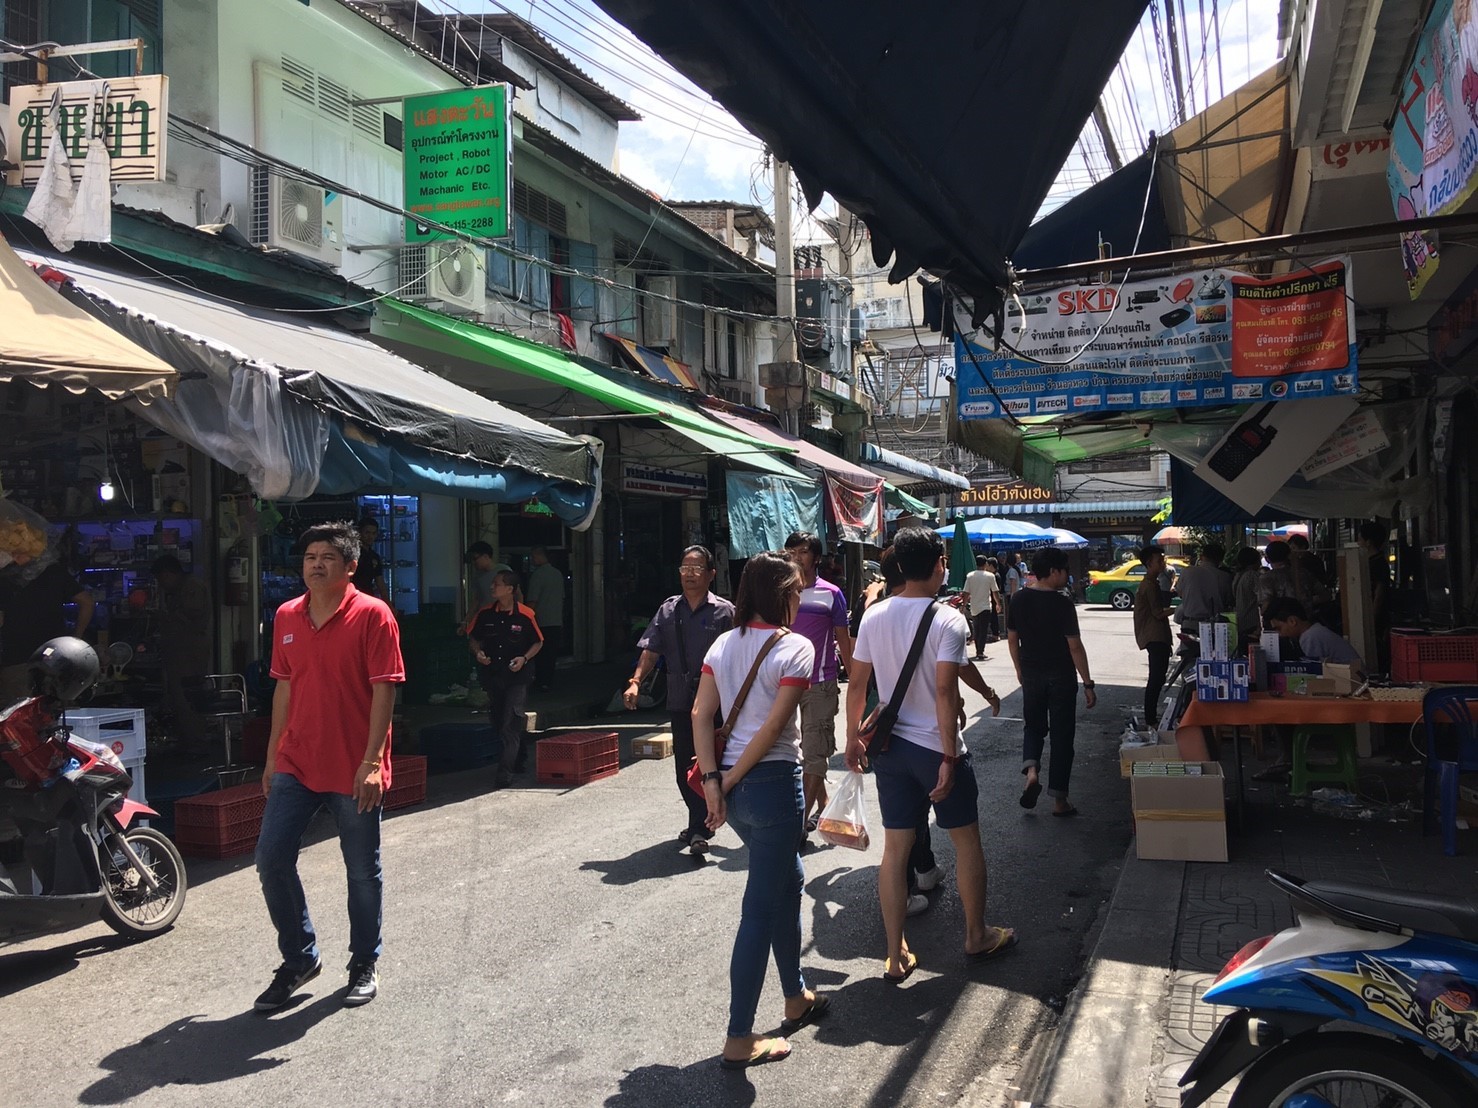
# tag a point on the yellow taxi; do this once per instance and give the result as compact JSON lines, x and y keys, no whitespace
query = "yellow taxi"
{"x":1116,"y":587}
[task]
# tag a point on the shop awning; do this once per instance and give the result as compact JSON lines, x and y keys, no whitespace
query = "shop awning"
{"x":660,"y":366}
{"x":409,"y":325}
{"x":807,"y":452}
{"x":1065,"y":508}
{"x":281,"y":398}
{"x":903,"y":470}
{"x":47,"y":340}
{"x":899,"y":501}
{"x":875,"y":102}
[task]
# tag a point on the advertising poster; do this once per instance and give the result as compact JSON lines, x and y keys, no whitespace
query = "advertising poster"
{"x":1266,"y":446}
{"x":457,"y":162}
{"x":1434,"y":136}
{"x":1206,"y":338}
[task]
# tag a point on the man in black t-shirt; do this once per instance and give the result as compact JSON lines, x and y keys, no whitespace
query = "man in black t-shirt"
{"x":1047,"y":651}
{"x":504,"y":638}
{"x":369,"y":574}
{"x":32,"y":607}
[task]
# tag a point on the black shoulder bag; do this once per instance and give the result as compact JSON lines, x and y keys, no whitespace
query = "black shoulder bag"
{"x":877,"y":730}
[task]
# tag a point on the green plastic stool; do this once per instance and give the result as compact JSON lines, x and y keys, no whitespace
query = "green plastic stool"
{"x":1340,"y":772}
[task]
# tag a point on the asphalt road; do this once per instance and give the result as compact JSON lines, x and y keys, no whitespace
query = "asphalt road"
{"x":553,"y":947}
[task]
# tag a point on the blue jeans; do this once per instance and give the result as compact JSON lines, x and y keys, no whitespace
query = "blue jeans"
{"x":290,"y":808}
{"x":765,"y":810}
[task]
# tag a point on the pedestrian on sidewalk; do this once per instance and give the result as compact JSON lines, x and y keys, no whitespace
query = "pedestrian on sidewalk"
{"x":1205,"y":589}
{"x":984,"y":591}
{"x":336,"y":661}
{"x":484,"y":562}
{"x":757,"y":787}
{"x":1047,"y":651}
{"x":546,"y":596}
{"x":1152,"y":630}
{"x":822,"y":619}
{"x":505,"y":638}
{"x":1014,"y":582}
{"x":681,"y":632}
{"x":1248,"y":568}
{"x":926,"y":761}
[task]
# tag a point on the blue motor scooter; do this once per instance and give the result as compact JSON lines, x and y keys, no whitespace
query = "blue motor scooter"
{"x":1371,"y":998}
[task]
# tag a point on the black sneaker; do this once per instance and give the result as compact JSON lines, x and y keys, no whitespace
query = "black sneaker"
{"x":364,"y":984}
{"x":285,"y":982}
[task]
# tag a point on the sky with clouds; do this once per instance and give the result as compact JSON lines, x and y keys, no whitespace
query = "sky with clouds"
{"x":688,"y":148}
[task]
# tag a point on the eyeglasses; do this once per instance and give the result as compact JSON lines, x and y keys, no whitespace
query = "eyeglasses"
{"x":692,"y":570}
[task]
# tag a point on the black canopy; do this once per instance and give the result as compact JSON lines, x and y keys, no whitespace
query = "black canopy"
{"x":942,"y":124}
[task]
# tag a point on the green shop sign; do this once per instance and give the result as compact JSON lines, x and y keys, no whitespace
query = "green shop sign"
{"x":458,"y":162}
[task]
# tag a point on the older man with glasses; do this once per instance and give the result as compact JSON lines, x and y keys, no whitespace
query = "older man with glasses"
{"x":681,"y":632}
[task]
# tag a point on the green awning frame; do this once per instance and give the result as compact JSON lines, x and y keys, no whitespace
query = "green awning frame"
{"x":459,"y":338}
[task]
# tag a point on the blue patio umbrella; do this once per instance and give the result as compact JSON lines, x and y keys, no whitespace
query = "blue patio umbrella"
{"x":997,"y":533}
{"x":1064,"y":539}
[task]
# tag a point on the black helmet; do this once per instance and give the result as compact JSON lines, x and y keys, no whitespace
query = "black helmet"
{"x":64,"y":668}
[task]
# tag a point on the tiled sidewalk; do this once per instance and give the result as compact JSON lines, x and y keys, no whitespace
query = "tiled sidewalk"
{"x":1136,"y":1020}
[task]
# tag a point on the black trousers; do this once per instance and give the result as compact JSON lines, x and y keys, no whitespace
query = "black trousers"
{"x":1159,"y":656}
{"x":1049,"y":707}
{"x":506,"y":714}
{"x":544,"y":661}
{"x":983,"y":627}
{"x":682,"y":758}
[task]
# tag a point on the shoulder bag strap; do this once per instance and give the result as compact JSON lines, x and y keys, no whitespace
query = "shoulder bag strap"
{"x":911,"y":663}
{"x":754,"y":671}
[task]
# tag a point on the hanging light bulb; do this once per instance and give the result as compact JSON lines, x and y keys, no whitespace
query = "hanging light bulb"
{"x":106,"y":491}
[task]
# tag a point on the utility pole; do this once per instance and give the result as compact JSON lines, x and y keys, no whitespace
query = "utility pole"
{"x":1172,"y":44}
{"x":1100,"y":117}
{"x":785,"y":350}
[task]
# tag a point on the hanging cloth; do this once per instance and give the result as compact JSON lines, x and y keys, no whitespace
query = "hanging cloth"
{"x":50,"y":206}
{"x":92,"y":211}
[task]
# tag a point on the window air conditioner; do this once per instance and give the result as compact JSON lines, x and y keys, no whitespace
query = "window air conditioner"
{"x":292,"y":215}
{"x":450,"y":274}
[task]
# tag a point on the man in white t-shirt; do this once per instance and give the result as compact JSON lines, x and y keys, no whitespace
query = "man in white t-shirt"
{"x":926,"y":761}
{"x":983,"y":590}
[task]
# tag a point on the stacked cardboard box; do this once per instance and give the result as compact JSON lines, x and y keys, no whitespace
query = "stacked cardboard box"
{"x":1179,"y":811}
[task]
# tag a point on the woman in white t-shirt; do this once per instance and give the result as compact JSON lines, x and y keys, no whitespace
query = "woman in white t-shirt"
{"x":757,"y":789}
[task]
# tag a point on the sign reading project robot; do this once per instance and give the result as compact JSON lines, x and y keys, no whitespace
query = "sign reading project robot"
{"x":1207,"y":338}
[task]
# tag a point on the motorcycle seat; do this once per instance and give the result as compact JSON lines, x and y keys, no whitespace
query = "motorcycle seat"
{"x":1455,"y":917}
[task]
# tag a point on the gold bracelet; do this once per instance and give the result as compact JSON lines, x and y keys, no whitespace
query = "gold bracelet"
{"x":367,"y":762}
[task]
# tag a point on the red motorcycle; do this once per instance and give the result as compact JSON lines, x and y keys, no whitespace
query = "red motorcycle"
{"x":77,"y":857}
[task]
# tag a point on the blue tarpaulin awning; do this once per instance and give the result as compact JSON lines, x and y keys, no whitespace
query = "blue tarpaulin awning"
{"x":903,"y":470}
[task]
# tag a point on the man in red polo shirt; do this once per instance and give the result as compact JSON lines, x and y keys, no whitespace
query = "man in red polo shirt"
{"x":336,"y":658}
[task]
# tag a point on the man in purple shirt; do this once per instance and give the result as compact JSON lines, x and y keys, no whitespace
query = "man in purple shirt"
{"x":822,"y":618}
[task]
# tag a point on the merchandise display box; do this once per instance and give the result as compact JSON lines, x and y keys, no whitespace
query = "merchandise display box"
{"x":1180,"y":811}
{"x":652,"y":746}
{"x":578,"y":758}
{"x":1129,"y":753}
{"x":1218,"y":680}
{"x":220,"y":824}
{"x":1293,"y":677}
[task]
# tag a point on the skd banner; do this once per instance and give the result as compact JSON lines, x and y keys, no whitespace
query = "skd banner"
{"x":1210,"y":337}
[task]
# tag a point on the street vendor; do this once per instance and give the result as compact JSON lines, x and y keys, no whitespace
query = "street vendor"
{"x":1318,"y":643}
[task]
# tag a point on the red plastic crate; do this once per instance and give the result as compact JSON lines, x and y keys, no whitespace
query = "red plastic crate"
{"x":408,"y":781}
{"x":227,"y":812}
{"x":578,"y":758}
{"x":203,"y":843}
{"x":1434,"y":658}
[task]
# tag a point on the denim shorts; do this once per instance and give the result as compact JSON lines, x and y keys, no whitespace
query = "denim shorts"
{"x":907,"y":773}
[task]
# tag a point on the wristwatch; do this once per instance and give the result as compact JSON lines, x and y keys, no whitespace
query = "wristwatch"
{"x":713,"y":775}
{"x":1087,"y":684}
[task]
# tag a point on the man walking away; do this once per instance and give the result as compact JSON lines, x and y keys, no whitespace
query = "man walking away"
{"x":822,"y":618}
{"x":336,"y":660}
{"x":1152,"y":630}
{"x":983,"y":590}
{"x":1047,"y":649}
{"x":926,"y":761}
{"x":505,"y":638}
{"x":184,"y":644}
{"x":546,"y":596}
{"x":1205,"y":590}
{"x":681,"y":632}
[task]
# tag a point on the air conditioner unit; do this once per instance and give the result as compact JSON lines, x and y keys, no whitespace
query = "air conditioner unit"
{"x":448,"y":273}
{"x":292,"y":215}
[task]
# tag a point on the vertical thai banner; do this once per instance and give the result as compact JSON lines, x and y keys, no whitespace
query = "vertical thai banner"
{"x":1434,"y":138}
{"x":857,"y":509}
{"x":458,"y":162}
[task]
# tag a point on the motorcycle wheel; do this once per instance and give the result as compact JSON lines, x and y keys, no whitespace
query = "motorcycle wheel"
{"x":129,"y":907}
{"x":1348,"y":1071}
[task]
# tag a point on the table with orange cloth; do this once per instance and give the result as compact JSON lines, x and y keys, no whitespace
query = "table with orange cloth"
{"x":1291,"y":710}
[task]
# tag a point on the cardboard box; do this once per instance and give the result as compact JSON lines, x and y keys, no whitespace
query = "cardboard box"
{"x":652,"y":746}
{"x":1129,"y":753}
{"x":1343,"y":676}
{"x":1292,"y":677}
{"x":1180,"y":818}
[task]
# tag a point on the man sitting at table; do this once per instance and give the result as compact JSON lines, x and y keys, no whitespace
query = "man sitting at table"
{"x":1318,"y":643}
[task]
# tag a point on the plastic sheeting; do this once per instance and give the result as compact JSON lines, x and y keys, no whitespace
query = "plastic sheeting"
{"x":764,"y":510}
{"x":1373,"y":486}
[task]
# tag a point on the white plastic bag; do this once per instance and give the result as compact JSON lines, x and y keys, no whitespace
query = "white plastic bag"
{"x":844,"y":822}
